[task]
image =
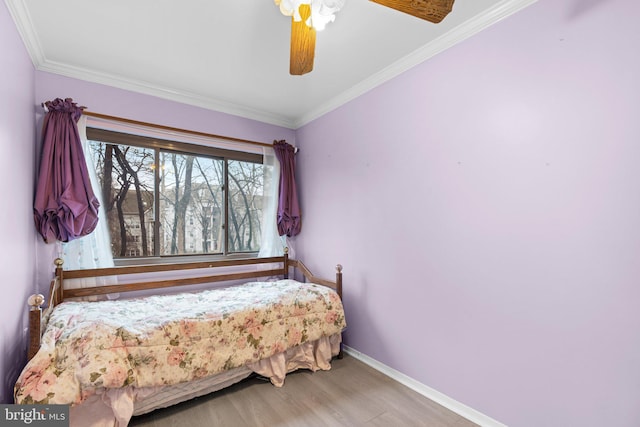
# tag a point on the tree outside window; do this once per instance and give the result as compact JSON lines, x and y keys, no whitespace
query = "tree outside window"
{"x":162,"y":202}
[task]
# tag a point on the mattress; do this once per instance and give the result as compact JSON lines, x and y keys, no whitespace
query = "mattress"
{"x":164,"y":340}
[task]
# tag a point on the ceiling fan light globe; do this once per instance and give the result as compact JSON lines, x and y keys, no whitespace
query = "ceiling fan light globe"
{"x":287,"y":7}
{"x":323,"y":12}
{"x":319,"y":22}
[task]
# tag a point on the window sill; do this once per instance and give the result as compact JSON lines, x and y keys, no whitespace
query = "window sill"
{"x":175,"y":259}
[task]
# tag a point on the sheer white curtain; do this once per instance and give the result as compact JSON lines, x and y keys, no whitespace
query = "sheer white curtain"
{"x":271,"y":244}
{"x":93,"y":250}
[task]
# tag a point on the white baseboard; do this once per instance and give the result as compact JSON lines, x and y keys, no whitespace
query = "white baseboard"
{"x":440,"y":398}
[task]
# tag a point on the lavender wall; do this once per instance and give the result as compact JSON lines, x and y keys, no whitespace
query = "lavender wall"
{"x":485,"y":206}
{"x":121,"y":103}
{"x":17,"y":135}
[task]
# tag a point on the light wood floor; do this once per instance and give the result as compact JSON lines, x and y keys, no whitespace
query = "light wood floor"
{"x":350,"y":394}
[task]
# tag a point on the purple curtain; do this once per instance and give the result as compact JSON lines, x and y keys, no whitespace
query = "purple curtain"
{"x":65,"y":206}
{"x":289,"y":218}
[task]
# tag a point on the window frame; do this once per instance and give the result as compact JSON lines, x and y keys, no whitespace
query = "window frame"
{"x":158,"y":144}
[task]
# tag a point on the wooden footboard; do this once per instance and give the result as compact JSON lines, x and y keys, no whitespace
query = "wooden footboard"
{"x":58,"y":293}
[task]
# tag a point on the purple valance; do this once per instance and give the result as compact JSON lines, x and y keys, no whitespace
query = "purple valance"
{"x":289,"y":217}
{"x":65,"y":206}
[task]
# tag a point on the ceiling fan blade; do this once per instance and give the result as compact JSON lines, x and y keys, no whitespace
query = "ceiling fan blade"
{"x":303,"y":44}
{"x":430,"y":10}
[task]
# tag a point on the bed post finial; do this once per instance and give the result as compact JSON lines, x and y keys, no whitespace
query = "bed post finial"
{"x":58,"y":262}
{"x":35,"y":301}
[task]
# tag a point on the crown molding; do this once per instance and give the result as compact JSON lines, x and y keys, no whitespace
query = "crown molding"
{"x":444,"y":42}
{"x":22,"y":19}
{"x":146,"y":88}
{"x":24,"y":24}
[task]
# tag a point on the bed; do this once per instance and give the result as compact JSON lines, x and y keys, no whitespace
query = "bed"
{"x":182,"y":331}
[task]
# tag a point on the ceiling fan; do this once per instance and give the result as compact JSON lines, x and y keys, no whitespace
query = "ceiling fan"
{"x":309,"y":16}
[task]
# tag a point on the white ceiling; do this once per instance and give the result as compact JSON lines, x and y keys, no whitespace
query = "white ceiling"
{"x":233,"y":56}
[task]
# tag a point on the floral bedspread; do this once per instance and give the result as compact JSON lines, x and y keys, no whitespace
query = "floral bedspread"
{"x":168,"y":339}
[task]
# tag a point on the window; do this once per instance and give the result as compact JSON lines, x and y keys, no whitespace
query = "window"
{"x":133,"y":253}
{"x":167,"y":198}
